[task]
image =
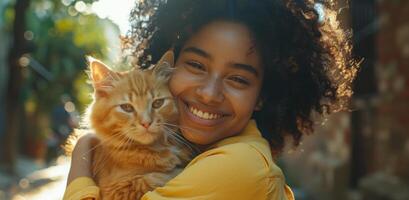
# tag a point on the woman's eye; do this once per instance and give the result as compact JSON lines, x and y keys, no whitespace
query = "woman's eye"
{"x":158,"y":103}
{"x":127,"y":107}
{"x":195,"y":65}
{"x":240,"y":80}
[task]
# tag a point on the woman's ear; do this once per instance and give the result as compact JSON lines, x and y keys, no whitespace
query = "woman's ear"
{"x":259,"y":104}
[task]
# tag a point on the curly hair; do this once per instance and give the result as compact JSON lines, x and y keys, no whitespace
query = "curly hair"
{"x":307,"y":61}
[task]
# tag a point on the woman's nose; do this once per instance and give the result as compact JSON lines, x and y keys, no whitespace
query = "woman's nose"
{"x":211,"y":91}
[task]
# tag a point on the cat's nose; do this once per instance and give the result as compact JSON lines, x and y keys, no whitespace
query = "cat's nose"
{"x":146,"y":124}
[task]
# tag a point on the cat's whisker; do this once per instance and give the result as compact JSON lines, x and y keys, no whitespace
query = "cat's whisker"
{"x":106,"y":140}
{"x":179,"y":126}
{"x":174,"y":132}
{"x":108,"y":154}
{"x":176,"y":136}
{"x":182,"y":140}
{"x":169,"y":124}
{"x":127,"y":143}
{"x":100,"y":163}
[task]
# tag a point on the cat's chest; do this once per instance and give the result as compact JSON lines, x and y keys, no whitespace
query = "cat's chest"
{"x":128,"y":163}
{"x":120,"y":174}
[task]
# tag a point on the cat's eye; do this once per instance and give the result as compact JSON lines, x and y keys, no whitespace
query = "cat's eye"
{"x":127,"y":107}
{"x":158,"y":103}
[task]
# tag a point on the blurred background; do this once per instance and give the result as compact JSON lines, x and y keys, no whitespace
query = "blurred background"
{"x":358,"y":155}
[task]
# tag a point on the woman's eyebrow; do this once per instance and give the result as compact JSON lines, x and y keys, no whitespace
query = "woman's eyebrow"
{"x":246,"y":67}
{"x":197,"y":51}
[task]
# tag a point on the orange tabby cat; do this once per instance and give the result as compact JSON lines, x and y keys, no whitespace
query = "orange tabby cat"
{"x":129,"y":114}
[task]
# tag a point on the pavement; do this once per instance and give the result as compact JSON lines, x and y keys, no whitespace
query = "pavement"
{"x":35,"y":180}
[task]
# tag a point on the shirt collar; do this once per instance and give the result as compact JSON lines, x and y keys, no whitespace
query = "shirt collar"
{"x":250,"y":132}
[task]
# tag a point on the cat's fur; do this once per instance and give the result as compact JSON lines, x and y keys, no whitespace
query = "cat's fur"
{"x":130,"y":159}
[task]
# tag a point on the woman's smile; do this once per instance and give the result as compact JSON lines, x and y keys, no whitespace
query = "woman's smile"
{"x":203,"y":115}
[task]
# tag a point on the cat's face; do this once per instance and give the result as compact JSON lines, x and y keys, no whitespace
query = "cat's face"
{"x":132,"y":106}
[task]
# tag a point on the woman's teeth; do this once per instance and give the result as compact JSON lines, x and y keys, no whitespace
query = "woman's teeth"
{"x":203,"y":114}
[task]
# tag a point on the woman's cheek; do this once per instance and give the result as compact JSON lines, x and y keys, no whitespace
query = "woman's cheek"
{"x":239,"y":97}
{"x":177,"y":81}
{"x":181,"y":80}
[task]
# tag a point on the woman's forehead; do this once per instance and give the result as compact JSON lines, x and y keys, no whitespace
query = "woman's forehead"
{"x":227,"y":40}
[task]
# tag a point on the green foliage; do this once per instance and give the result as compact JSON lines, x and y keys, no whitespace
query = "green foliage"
{"x":59,"y":39}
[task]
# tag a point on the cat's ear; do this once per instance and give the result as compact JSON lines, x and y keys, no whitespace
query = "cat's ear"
{"x":164,"y":67}
{"x":101,"y":76}
{"x":167,"y":58}
{"x":99,"y":70}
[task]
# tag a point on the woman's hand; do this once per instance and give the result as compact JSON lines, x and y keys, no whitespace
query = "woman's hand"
{"x":82,"y":157}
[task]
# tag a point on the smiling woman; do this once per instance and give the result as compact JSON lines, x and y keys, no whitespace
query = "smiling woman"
{"x":247,"y":74}
{"x":305,"y":57}
{"x":217,"y":77}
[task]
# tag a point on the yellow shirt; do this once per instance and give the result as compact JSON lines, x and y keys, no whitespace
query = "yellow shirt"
{"x":238,"y":167}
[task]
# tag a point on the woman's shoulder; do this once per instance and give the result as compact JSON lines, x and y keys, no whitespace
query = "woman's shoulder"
{"x":249,"y":158}
{"x":234,"y":171}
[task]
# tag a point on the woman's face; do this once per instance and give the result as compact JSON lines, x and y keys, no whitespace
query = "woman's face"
{"x":216,"y":82}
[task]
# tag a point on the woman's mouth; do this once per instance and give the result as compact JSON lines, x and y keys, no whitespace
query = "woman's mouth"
{"x":203,"y":114}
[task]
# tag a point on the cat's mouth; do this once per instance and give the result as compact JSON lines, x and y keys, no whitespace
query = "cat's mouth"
{"x":143,"y":138}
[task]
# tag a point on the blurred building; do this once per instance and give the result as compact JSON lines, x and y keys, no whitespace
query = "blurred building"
{"x":364,"y":154}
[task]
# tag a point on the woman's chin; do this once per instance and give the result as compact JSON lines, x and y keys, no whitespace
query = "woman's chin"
{"x":198,"y":138}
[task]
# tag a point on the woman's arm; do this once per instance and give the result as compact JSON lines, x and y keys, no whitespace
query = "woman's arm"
{"x":81,"y":158}
{"x":79,"y":183}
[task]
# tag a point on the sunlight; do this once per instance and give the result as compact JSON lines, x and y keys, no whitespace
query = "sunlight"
{"x":49,"y":183}
{"x":115,"y":10}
